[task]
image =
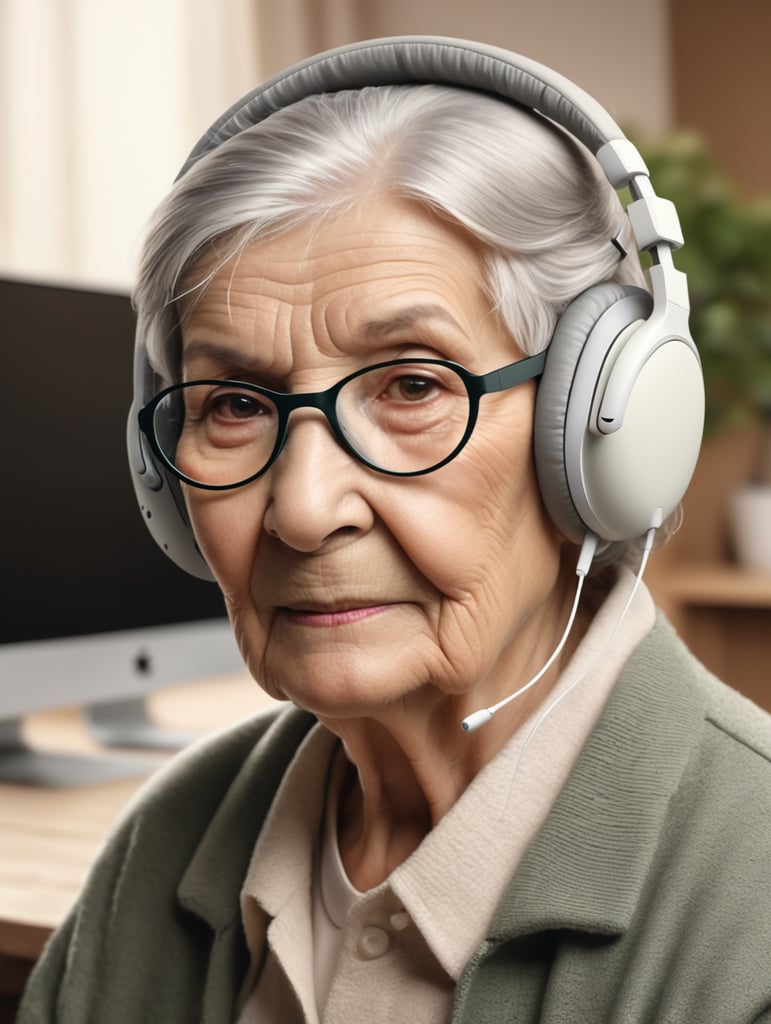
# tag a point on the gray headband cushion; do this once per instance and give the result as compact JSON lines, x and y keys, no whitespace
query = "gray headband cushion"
{"x":421,"y":59}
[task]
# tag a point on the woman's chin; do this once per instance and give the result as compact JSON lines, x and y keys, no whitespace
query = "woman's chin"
{"x":333,"y":689}
{"x":332,"y":675}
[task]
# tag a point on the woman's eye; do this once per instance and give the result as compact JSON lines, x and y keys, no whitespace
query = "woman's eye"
{"x":237,"y":406}
{"x":412,"y":388}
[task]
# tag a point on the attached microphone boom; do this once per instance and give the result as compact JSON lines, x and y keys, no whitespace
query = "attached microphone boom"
{"x":585,"y":559}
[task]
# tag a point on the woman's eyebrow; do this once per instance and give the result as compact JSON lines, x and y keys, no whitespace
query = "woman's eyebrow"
{"x":370,"y":331}
{"x":213,"y":351}
{"x":403,"y":319}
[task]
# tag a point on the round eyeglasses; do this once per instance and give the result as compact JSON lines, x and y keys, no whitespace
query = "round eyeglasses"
{"x":404,"y":417}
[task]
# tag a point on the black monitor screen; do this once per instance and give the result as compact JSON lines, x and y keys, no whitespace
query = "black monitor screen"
{"x":77,"y":558}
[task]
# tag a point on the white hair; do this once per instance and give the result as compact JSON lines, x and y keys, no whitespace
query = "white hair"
{"x":531,"y":195}
{"x":548,"y":223}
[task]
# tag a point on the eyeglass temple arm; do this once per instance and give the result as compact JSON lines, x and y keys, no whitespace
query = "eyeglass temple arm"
{"x":513,"y":374}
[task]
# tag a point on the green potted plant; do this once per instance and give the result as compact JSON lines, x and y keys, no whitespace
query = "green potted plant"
{"x":727,"y":257}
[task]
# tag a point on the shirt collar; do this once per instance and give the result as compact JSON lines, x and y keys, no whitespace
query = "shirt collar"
{"x":282,"y":861}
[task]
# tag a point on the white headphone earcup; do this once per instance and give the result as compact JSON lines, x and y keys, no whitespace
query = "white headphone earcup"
{"x":619,"y":305}
{"x":616,"y":484}
{"x":627,"y":481}
{"x":161,"y":502}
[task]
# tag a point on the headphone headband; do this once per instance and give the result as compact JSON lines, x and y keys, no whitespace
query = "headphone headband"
{"x":411,"y":60}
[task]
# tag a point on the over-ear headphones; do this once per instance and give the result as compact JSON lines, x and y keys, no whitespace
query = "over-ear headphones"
{"x":620,"y":406}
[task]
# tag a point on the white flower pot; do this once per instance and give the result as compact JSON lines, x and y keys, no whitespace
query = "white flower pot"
{"x":751,"y":522}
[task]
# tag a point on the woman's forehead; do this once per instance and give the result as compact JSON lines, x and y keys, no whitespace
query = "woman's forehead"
{"x":368,"y":277}
{"x":389,"y":229}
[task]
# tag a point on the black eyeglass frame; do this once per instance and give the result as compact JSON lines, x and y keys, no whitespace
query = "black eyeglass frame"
{"x":503,"y":379}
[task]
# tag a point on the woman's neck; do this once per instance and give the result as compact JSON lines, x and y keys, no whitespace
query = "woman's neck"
{"x":412,"y":761}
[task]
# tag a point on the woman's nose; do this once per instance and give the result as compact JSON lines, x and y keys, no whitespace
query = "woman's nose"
{"x":315,"y":488}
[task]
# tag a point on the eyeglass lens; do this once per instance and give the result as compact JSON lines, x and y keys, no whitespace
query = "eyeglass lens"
{"x":401,"y":418}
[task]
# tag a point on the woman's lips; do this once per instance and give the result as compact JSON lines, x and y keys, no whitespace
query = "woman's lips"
{"x":329,"y":617}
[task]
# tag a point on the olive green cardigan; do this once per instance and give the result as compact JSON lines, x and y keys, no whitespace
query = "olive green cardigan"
{"x":646,"y":897}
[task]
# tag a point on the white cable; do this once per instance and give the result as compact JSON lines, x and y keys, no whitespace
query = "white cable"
{"x":542,"y":718}
{"x":481,"y":717}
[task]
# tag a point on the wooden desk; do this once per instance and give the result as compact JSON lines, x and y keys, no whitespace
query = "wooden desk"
{"x":50,"y":837}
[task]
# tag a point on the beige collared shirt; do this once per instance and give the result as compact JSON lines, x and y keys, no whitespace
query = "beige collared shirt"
{"x":322,"y":953}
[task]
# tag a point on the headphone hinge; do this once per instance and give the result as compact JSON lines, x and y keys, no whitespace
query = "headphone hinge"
{"x":654,"y":220}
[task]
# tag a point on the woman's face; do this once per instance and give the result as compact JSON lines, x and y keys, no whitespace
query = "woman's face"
{"x":350,"y":590}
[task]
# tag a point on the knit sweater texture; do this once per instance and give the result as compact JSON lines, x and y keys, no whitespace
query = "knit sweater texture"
{"x":644,"y":899}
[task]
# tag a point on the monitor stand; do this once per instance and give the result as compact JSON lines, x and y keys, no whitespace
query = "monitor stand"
{"x":24,"y":765}
{"x":127,"y":724}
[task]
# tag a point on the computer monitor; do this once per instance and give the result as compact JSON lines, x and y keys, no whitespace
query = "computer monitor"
{"x":91,"y":612}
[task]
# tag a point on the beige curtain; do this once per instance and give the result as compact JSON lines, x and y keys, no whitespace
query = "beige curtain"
{"x":99,"y":104}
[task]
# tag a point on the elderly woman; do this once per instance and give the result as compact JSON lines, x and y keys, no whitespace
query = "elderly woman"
{"x":346,"y":305}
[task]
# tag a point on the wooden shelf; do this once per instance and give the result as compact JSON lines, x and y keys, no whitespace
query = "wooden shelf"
{"x":723,"y":613}
{"x":714,"y":585}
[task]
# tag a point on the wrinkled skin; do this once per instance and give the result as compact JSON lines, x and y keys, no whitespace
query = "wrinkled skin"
{"x":390,"y":607}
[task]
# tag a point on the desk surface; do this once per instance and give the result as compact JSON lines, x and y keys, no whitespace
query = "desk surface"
{"x":50,"y":837}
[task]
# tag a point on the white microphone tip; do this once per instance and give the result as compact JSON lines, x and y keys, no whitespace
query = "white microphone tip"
{"x":472,"y":722}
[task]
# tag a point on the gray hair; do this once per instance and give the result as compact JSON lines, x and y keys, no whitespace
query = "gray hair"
{"x":548,"y":223}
